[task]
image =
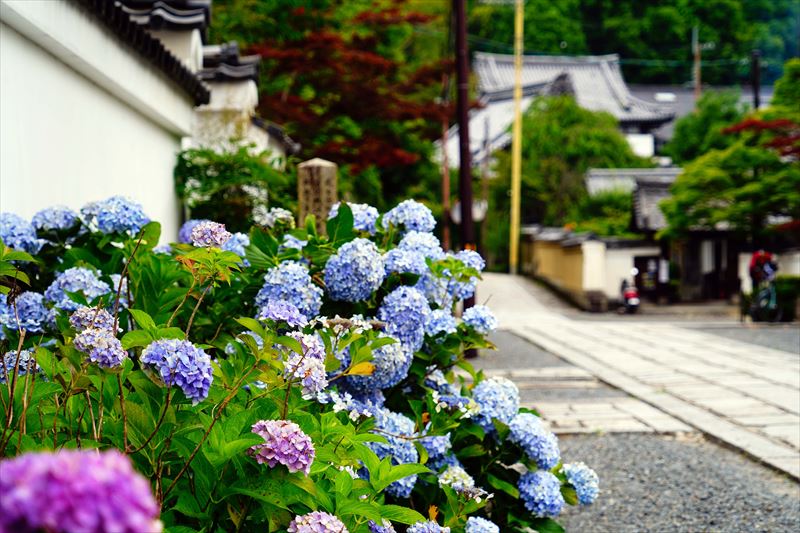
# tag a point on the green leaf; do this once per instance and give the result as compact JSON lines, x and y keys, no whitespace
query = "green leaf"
{"x":547,"y":525}
{"x":144,"y":320}
{"x":569,"y":494}
{"x":170,"y":333}
{"x":136,"y":338}
{"x":399,"y":472}
{"x":505,"y":486}
{"x":152,"y":233}
{"x":357,"y":508}
{"x":403,"y":515}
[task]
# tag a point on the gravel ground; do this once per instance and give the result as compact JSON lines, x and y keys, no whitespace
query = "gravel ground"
{"x":662,"y":484}
{"x":784,"y":337}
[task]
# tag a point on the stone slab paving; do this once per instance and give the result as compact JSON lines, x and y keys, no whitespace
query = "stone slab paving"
{"x":744,"y":395}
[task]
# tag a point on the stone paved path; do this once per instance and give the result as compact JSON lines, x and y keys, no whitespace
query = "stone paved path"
{"x":744,"y":395}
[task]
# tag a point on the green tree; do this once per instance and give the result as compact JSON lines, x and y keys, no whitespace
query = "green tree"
{"x":701,"y":130}
{"x":787,"y":89}
{"x":561,"y":141}
{"x":607,"y":214}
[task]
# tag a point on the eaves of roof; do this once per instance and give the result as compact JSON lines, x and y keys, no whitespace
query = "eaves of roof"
{"x":113,"y":17}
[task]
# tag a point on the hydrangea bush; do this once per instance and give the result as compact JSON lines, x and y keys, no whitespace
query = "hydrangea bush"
{"x":233,"y":382}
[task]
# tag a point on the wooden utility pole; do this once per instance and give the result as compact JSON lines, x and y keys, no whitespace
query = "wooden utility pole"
{"x":696,"y":66}
{"x":462,"y":106}
{"x":516,"y":143}
{"x":755,"y":77}
{"x":445,"y":166}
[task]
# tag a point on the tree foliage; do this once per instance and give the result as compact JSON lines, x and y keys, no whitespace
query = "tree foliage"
{"x":701,"y":130}
{"x":787,"y":89}
{"x":561,"y":142}
{"x":607,"y":214}
{"x":345,"y":79}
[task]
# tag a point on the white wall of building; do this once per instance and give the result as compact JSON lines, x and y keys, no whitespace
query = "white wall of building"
{"x":83,"y":116}
{"x":594,"y":265}
{"x":618,"y":265}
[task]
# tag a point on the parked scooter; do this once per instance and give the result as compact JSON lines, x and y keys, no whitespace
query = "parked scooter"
{"x":629,"y":295}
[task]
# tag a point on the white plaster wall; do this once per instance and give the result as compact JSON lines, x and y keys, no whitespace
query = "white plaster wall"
{"x":789,"y":263}
{"x":746,"y":284}
{"x":185,"y":45}
{"x":619,"y":263}
{"x":66,"y":135}
{"x":642,"y":144}
{"x":594,"y":265}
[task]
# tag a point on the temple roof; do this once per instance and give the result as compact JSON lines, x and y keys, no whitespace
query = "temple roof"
{"x":222,"y":62}
{"x":177,"y":15}
{"x":596,"y":81}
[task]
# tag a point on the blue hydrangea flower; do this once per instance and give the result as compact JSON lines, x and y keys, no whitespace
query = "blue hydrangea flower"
{"x":364,"y":216}
{"x":26,"y":362}
{"x":185,"y":233}
{"x":409,"y":215}
{"x":91,"y":317}
{"x":290,"y":241}
{"x":55,"y":218}
{"x":33,"y":315}
{"x":209,"y":234}
{"x":456,"y":477}
{"x":401,"y":450}
{"x":476,"y":524}
{"x":425,"y":244}
{"x":282,"y":311}
{"x":386,"y":527}
{"x":180,"y":363}
{"x":355,"y":407}
{"x":428,"y":526}
{"x":404,"y":261}
{"x":284,"y":443}
{"x":537,"y":442}
{"x":405,"y":310}
{"x":102,"y":347}
{"x":354,"y":272}
{"x":272,"y":217}
{"x":116,"y":215}
{"x":439,"y":451}
{"x":163,"y":249}
{"x":237,"y":244}
{"x":317,"y":522}
{"x":462,"y":290}
{"x":541,"y":492}
{"x":585,"y":481}
{"x":436,"y":380}
{"x":440,"y":321}
{"x":18,"y":233}
{"x":116,"y":280}
{"x":76,"y":490}
{"x":290,"y":281}
{"x":391,"y":361}
{"x":480,"y":318}
{"x":79,"y":280}
{"x":498,"y":398}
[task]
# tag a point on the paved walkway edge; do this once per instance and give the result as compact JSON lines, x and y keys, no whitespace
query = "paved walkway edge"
{"x":781,"y":458}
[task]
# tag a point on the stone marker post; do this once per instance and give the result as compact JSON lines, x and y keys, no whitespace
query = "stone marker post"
{"x":316,"y":190}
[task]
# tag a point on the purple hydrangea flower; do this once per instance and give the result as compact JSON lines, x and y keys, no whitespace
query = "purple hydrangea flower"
{"x":440,"y":321}
{"x":428,"y":526}
{"x":75,"y":490}
{"x":476,"y":524}
{"x":404,"y":261}
{"x":541,"y":492}
{"x":498,"y":398}
{"x":405,"y":310}
{"x":207,"y":234}
{"x":185,"y":233}
{"x":91,"y":317}
{"x":354,"y":271}
{"x":26,"y":362}
{"x":392,"y":362}
{"x":317,"y":522}
{"x":308,"y":367}
{"x":290,"y":281}
{"x":33,"y":315}
{"x":76,"y":279}
{"x":364,"y":216}
{"x":410,"y":216}
{"x":18,"y":233}
{"x":585,"y":481}
{"x":284,"y":443}
{"x":480,"y":318}
{"x":281,"y":311}
{"x":116,"y":215}
{"x":538,"y":444}
{"x":180,"y":363}
{"x":102,"y":347}
{"x":57,"y":217}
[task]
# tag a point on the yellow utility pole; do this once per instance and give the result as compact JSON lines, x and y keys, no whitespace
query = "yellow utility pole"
{"x":516,"y":142}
